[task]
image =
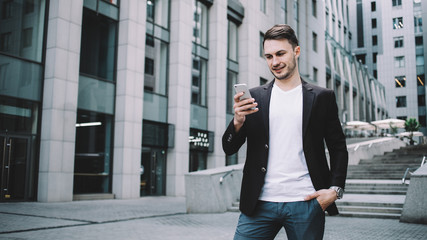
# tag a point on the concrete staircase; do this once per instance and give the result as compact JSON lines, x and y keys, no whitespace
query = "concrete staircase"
{"x":374,"y":188}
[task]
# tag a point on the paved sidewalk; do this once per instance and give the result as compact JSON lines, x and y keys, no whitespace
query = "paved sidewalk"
{"x":163,"y":218}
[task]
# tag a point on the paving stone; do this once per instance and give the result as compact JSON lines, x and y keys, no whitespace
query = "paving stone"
{"x":163,"y":218}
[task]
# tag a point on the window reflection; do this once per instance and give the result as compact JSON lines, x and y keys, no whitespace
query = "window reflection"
{"x":21,"y":30}
{"x":98,"y":46}
{"x":93,"y":159}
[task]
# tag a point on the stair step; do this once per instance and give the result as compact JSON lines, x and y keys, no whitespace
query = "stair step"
{"x":375,"y":192}
{"x":370,"y":204}
{"x":370,"y":215}
{"x":363,"y":209}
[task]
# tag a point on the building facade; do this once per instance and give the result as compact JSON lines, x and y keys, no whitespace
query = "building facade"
{"x":390,"y":42}
{"x":122,"y":98}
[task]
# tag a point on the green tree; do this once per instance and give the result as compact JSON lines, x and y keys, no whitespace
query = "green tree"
{"x":411,"y":125}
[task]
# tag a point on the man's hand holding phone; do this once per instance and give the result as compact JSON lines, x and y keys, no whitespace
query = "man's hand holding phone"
{"x":244,"y":105}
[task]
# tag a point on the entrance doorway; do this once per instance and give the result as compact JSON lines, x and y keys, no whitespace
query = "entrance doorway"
{"x":14,"y":173}
{"x":153,"y":171}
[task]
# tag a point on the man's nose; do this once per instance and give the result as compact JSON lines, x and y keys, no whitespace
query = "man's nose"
{"x":275,"y":61}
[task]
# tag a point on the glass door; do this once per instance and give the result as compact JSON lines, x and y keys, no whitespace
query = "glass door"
{"x":14,"y":154}
{"x":153,"y":171}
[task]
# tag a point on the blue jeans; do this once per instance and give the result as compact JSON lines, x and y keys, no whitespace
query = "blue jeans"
{"x":302,"y":220}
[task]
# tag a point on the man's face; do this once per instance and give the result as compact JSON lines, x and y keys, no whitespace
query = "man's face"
{"x":281,"y":58}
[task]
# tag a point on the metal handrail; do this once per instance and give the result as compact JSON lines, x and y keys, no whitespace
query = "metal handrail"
{"x":221,"y":179}
{"x":408,"y":170}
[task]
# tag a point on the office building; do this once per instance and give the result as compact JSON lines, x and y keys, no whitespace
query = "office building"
{"x":390,"y":42}
{"x":122,"y":98}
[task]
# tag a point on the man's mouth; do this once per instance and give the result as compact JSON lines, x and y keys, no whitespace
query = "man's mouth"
{"x":278,"y":69}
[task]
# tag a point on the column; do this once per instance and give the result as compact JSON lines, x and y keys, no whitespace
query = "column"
{"x":217,"y":79}
{"x":179,"y":94}
{"x":60,"y":92}
{"x":129,"y":99}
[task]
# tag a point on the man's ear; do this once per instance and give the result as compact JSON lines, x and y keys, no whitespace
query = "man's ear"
{"x":297,"y":51}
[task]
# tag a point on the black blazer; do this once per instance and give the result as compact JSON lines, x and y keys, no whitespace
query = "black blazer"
{"x":320,"y":125}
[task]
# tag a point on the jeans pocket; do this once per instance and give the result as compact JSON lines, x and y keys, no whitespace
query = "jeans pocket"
{"x":317,"y":205}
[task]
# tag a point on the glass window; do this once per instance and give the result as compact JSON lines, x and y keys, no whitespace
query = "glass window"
{"x":374,"y":57}
{"x":261,"y":46}
{"x":374,"y":23}
{"x":314,"y":8}
{"x":421,"y":100}
{"x":115,"y":2}
{"x":296,"y":17}
{"x":420,"y":60}
{"x":361,"y":58}
{"x":27,"y":37}
{"x":398,"y":23}
{"x":400,"y":81}
{"x":399,"y":61}
{"x":149,"y":66}
{"x":231,"y":80}
{"x":93,"y":153}
{"x":398,"y":42}
{"x":262,"y":6}
{"x":5,"y":41}
{"x":22,"y":28}
{"x":373,"y":6}
{"x":6,"y":10}
{"x":98,"y":46}
{"x":95,"y":95}
{"x":201,"y":142}
{"x":396,"y":3}
{"x":156,"y":66}
{"x":400,"y":101}
{"x":418,"y":24}
{"x":314,"y":42}
{"x":374,"y":40}
{"x":21,"y":79}
{"x":422,"y":120}
{"x":315,"y":74}
{"x":232,"y":41}
{"x":420,"y":80}
{"x":199,"y":82}
{"x":18,"y":116}
{"x":158,"y":12}
{"x":200,"y":24}
{"x":418,"y":40}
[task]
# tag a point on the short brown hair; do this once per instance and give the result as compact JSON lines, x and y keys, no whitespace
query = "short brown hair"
{"x":281,"y":31}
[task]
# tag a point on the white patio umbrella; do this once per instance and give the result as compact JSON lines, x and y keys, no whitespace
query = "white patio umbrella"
{"x":386,"y":123}
{"x":359,"y":125}
{"x":407,"y":134}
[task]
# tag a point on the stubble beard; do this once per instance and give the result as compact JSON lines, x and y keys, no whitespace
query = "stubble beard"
{"x":290,"y":71}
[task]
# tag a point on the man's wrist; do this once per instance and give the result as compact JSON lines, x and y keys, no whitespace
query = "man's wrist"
{"x":339,"y":191}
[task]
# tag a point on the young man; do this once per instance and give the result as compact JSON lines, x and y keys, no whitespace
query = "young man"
{"x":286,"y":178}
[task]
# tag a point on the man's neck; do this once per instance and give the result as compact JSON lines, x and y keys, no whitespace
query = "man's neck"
{"x":289,"y":83}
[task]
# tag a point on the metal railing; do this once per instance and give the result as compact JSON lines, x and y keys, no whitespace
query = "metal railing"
{"x":221,"y":179}
{"x":410,"y":170}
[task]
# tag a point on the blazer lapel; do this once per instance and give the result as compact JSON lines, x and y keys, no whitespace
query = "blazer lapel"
{"x":307,"y":104}
{"x":264,"y":106}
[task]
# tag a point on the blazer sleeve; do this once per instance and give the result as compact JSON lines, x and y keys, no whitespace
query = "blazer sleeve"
{"x":232,"y":141}
{"x":337,"y":147}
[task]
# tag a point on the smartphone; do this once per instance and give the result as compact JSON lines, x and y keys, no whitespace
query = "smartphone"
{"x":242,"y":87}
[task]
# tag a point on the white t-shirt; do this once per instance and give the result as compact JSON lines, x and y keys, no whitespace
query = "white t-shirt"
{"x":287,"y":178}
